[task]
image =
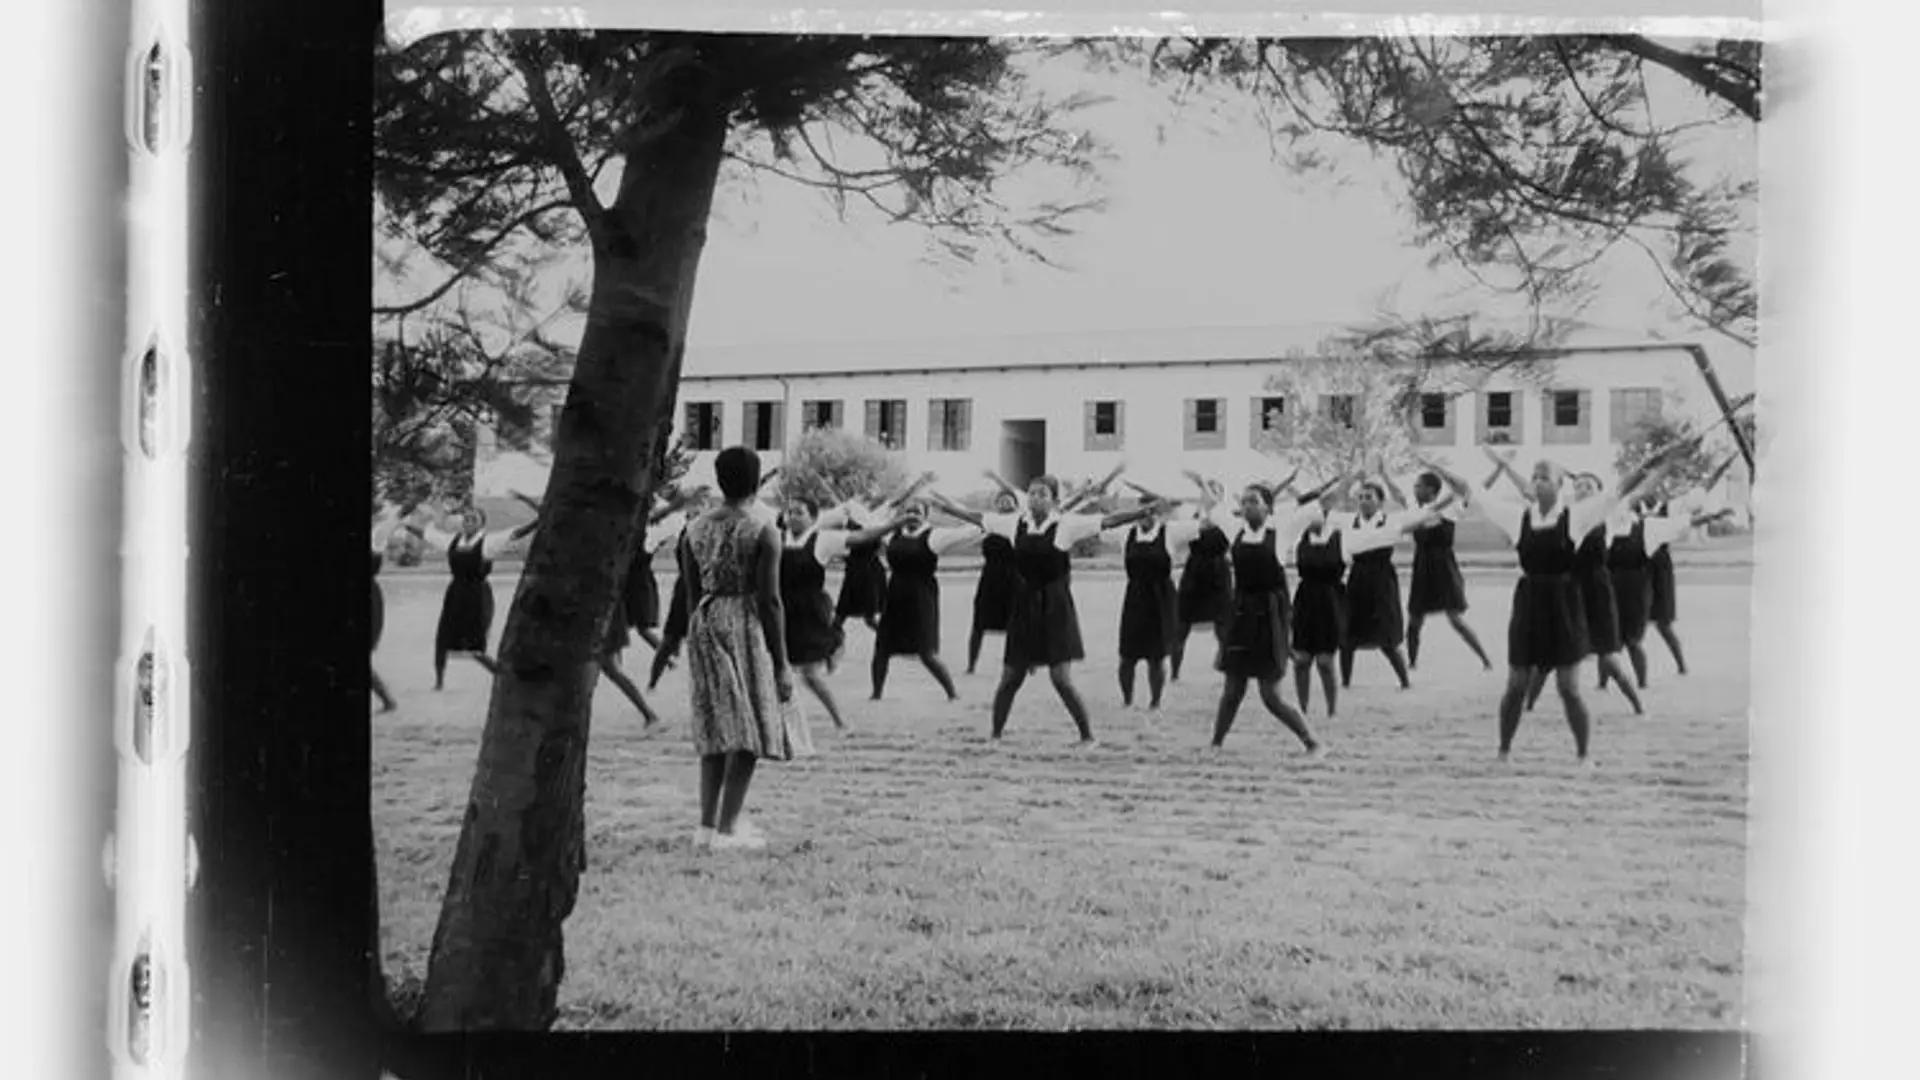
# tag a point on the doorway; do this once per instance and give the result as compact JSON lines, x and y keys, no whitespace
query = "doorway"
{"x":1023,"y":451}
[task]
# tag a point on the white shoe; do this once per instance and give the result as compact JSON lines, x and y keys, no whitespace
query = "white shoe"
{"x":702,"y":838}
{"x":738,"y":842}
{"x":744,"y":826}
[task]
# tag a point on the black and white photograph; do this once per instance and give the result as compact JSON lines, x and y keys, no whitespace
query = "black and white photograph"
{"x":834,"y":493}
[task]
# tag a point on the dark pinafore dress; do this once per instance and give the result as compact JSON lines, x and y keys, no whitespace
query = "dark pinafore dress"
{"x":1149,"y":612}
{"x":1375,"y":619}
{"x":1436,"y":587}
{"x":1320,"y":601}
{"x":640,"y":593}
{"x":676,"y":625}
{"x":1044,"y":628}
{"x":811,"y":636}
{"x":1255,"y":643}
{"x":910,"y":616}
{"x":1548,"y":627}
{"x":1596,"y":593}
{"x":466,"y":611}
{"x":993,"y":596}
{"x":863,"y":586}
{"x":1629,"y":566}
{"x":1206,"y":581}
{"x":379,"y":611}
{"x":1662,"y":609}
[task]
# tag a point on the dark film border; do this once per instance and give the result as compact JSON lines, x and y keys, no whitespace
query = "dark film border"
{"x":283,"y":928}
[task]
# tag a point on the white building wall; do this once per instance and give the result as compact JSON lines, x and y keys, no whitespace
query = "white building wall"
{"x":1153,"y":426}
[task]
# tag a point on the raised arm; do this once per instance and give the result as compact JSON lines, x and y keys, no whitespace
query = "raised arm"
{"x":1094,"y":490}
{"x":954,"y":509}
{"x":1398,"y":496}
{"x":1462,"y":490}
{"x":1119,"y":518}
{"x":1504,"y":467}
{"x":1504,"y":512}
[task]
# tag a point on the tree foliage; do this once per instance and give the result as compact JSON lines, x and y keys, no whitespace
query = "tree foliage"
{"x":832,"y":463}
{"x":1694,"y":467}
{"x":1526,"y":160}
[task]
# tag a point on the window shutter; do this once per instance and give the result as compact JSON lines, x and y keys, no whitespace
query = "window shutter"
{"x":1483,"y":405}
{"x":780,"y":426}
{"x":1193,"y":413}
{"x":1257,"y":426}
{"x":934,"y":410}
{"x":1092,"y":437}
{"x":1119,"y":424}
{"x":966,"y":424}
{"x":899,"y":425}
{"x":837,"y":414}
{"x":873,"y":419}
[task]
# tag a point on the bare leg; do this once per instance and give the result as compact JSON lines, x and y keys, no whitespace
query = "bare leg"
{"x":651,"y":636}
{"x":1178,"y":654}
{"x":1637,"y":655}
{"x":1303,"y":681}
{"x":1673,"y":644}
{"x":1399,"y":665}
{"x":1232,"y":693}
{"x":662,"y":660}
{"x":810,"y":674}
{"x":713,"y":772}
{"x":1324,"y":662}
{"x":380,"y":691}
{"x":618,"y":678}
{"x":1511,"y":702}
{"x":1610,"y":667}
{"x":1011,"y":677}
{"x":1296,"y":723}
{"x":1127,"y":668}
{"x":1536,"y":683}
{"x":439,"y":668}
{"x":1459,"y":624}
{"x":974,"y":641}
{"x":1063,"y":685}
{"x":1568,"y":679}
{"x":931,"y":662}
{"x":733,"y":790}
{"x":485,"y":661}
{"x":1346,"y":667}
{"x":879,"y":670}
{"x":1156,"y":681}
{"x":1415,"y":622}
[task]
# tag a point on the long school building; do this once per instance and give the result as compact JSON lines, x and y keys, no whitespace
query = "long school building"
{"x":1084,"y":405}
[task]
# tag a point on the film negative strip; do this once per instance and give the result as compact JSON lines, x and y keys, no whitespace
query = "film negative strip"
{"x":149,"y":860}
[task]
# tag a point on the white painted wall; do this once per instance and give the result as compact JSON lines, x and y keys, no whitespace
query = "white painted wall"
{"x":1154,"y":410}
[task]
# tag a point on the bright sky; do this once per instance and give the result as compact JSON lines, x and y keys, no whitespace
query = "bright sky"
{"x":1203,"y":228}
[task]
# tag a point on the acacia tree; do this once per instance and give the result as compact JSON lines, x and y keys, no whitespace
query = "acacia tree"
{"x":614,"y":142}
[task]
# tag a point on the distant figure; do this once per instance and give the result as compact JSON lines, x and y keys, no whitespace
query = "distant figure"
{"x":382,"y":532}
{"x":993,"y":596}
{"x":1436,"y":587}
{"x":736,"y":651}
{"x":813,"y":539}
{"x":466,"y":609}
{"x":910,"y":618}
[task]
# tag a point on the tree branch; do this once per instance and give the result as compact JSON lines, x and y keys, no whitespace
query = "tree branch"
{"x":1695,"y":69}
{"x":475,"y":262}
{"x":562,"y":153}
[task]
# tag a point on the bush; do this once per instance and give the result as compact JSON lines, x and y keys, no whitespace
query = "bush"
{"x":828,"y":460}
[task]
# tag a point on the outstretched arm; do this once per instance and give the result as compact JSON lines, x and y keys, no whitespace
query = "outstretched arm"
{"x":1504,"y":467}
{"x":954,"y":509}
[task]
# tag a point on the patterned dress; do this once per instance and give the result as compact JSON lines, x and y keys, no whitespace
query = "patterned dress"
{"x":466,"y":610}
{"x":735,"y":705}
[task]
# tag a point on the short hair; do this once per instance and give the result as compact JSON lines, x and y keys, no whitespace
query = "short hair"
{"x":1429,"y":479}
{"x":472,"y":509}
{"x":1051,"y":482}
{"x":738,"y":471}
{"x":1008,"y":496}
{"x":813,"y":508}
{"x":1265,"y":493}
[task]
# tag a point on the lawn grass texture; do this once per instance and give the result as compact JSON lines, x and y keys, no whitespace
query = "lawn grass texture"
{"x":917,"y":878}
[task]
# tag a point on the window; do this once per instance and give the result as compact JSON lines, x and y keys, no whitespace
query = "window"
{"x":1499,"y":417}
{"x":1339,"y":409}
{"x":1269,"y":421}
{"x":1631,"y":409}
{"x":820,"y":414}
{"x":763,"y":423}
{"x":1205,"y":431}
{"x":1105,"y":421}
{"x":1569,"y":409}
{"x":1500,"y":409}
{"x":703,"y":425}
{"x":949,"y":424}
{"x":887,"y":422}
{"x":1436,"y":421}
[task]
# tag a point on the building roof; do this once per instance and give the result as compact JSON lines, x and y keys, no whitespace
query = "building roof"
{"x":1195,"y":346}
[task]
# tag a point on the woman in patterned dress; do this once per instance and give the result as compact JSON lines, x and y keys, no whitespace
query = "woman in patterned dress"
{"x":1547,"y":629}
{"x":1045,"y":628}
{"x":466,"y":609}
{"x":736,"y":646}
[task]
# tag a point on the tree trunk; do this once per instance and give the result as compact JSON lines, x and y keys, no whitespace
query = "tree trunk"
{"x":497,"y":958}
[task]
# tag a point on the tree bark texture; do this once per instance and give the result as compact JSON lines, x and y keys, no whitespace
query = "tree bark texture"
{"x":498,"y":959}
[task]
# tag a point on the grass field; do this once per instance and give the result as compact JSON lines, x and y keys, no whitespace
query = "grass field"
{"x":916,"y":879}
